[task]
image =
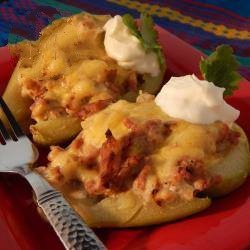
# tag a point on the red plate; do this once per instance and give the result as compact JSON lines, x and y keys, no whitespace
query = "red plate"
{"x":225,"y":225}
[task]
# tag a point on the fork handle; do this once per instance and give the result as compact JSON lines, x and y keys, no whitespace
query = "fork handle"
{"x":72,"y":231}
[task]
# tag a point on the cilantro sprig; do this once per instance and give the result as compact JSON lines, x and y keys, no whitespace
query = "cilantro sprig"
{"x":146,"y":34}
{"x":221,"y":68}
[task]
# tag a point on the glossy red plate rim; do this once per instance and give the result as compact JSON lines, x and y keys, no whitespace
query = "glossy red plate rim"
{"x":225,"y":225}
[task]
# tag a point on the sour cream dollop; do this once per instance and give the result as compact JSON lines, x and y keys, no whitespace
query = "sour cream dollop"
{"x":195,"y":101}
{"x":127,"y":50}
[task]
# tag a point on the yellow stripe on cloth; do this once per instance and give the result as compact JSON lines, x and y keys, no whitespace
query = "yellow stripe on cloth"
{"x":173,"y":15}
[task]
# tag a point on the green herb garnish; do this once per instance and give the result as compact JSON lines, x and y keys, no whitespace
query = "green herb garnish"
{"x":146,"y":34}
{"x":221,"y":68}
{"x":129,"y":21}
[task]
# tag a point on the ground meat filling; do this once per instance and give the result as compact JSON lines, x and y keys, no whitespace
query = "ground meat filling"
{"x":74,"y":107}
{"x":33,"y":88}
{"x":91,"y":108}
{"x":124,"y":163}
{"x":121,"y":161}
{"x":194,"y":173}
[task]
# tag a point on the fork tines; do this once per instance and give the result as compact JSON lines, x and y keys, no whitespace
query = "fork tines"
{"x":4,"y":132}
{"x":17,"y":131}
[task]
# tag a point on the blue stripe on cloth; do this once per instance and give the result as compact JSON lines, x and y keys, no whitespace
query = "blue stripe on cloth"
{"x":25,"y":18}
{"x":57,"y":4}
{"x":12,"y":38}
{"x":241,"y":7}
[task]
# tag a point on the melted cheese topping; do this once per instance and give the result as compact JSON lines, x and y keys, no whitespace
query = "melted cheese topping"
{"x":68,"y":68}
{"x":112,"y":118}
{"x":186,"y":143}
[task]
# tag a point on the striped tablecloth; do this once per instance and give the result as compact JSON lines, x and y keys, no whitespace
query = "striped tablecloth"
{"x":202,"y":23}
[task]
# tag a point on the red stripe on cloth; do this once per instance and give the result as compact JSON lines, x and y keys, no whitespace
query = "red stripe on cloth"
{"x":8,"y":14}
{"x":25,"y":4}
{"x":88,"y":7}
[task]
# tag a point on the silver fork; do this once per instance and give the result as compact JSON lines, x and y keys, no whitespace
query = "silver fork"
{"x":17,"y":154}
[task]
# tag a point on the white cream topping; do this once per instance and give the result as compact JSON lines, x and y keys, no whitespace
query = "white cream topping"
{"x":195,"y":101}
{"x":126,"y":48}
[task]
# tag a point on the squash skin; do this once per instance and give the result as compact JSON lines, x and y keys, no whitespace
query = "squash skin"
{"x":127,"y":210}
{"x":55,"y":131}
{"x":19,"y":105}
{"x":234,"y":168}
